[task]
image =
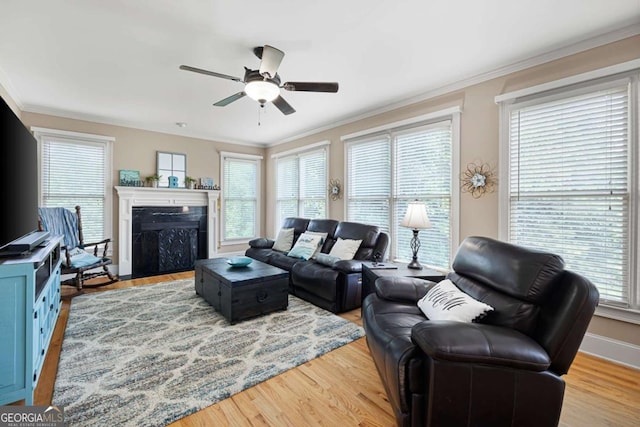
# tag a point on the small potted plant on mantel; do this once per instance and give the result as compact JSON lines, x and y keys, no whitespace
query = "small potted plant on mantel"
{"x":152,"y":180}
{"x":189,"y":182}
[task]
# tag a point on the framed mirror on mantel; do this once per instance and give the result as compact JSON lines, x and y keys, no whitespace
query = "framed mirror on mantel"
{"x":171,"y":164}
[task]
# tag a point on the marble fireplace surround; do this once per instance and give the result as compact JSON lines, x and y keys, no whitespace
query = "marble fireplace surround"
{"x":128,"y":197}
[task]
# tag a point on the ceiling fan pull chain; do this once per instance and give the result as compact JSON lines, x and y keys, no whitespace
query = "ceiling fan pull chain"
{"x":259,"y":108}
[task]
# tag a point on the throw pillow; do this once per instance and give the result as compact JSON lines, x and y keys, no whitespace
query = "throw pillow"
{"x":326,"y":259}
{"x":324,"y":238}
{"x":445,"y":301}
{"x":80,"y":258}
{"x":345,"y":249}
{"x":284,"y":240}
{"x":306,"y":246}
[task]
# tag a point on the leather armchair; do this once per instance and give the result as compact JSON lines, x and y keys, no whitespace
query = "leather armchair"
{"x":503,"y":370}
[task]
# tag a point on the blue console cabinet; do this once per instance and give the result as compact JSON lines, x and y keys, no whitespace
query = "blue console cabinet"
{"x":29,"y":308}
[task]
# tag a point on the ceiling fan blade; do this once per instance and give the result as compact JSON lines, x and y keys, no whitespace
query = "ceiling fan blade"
{"x":228,"y":100}
{"x":311,"y":86}
{"x":271,"y":59}
{"x":210,"y":73}
{"x":283,"y":106}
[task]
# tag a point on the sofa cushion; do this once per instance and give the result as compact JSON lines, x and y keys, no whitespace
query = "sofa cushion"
{"x":281,"y":260}
{"x":345,"y":249}
{"x":299,"y":226}
{"x":445,"y":301}
{"x":324,"y":239}
{"x":523,"y":273}
{"x":284,"y":241}
{"x":507,"y":311}
{"x":326,"y":259}
{"x":325,"y":226}
{"x":306,"y":246}
{"x":369,"y":235}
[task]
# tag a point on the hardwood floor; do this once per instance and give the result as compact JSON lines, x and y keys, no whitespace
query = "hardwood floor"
{"x":342,"y":388}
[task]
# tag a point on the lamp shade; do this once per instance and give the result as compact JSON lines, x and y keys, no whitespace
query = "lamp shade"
{"x":262,"y":90}
{"x":416,"y":217}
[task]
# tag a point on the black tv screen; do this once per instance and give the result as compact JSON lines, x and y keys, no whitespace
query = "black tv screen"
{"x":19,"y":177}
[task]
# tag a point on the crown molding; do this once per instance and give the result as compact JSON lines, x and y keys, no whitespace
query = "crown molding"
{"x":5,"y":84}
{"x":541,"y":58}
{"x":123,"y":123}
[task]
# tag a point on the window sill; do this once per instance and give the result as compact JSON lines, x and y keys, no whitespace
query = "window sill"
{"x":617,"y":313}
{"x":235,"y":242}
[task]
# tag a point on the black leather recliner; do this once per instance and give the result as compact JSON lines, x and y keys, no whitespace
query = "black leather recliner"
{"x":504,"y":370}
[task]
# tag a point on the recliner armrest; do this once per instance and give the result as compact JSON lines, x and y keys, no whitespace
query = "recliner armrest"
{"x":402,"y":289}
{"x":479,"y":343}
{"x":348,"y":266}
{"x":261,"y":243}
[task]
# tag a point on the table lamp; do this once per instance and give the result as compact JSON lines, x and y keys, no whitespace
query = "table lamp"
{"x":416,"y":219}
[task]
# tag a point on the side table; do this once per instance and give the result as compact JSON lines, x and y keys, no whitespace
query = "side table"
{"x":392,"y":269}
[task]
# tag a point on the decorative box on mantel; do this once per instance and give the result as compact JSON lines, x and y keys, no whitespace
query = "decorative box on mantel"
{"x":128,"y":197}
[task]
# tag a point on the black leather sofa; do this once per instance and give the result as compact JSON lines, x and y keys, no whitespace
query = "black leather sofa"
{"x":337,"y":288}
{"x":503,"y":370}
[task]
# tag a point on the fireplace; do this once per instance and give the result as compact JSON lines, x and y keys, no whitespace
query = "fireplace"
{"x":167,"y":239}
{"x":183,"y":239}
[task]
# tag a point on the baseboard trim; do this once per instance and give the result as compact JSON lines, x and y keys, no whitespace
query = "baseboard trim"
{"x":616,"y":351}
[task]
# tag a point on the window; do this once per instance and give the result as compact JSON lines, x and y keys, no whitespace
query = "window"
{"x":389,"y":169}
{"x":240,"y":202}
{"x":570,"y":190}
{"x":75,"y":169}
{"x":301,"y":185}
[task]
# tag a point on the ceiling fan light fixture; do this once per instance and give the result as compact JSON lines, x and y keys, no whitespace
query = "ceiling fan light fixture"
{"x":262,"y":91}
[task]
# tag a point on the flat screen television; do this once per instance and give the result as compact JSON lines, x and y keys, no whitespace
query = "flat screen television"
{"x":19,"y":181}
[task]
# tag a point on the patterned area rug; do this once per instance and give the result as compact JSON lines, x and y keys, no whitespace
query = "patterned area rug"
{"x":150,"y":355}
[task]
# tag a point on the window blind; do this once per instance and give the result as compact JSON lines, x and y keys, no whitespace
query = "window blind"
{"x":240,"y":198}
{"x":369,"y":181}
{"x":568,"y":186}
{"x":73,"y":173}
{"x":301,"y":185}
{"x":286,"y":188}
{"x":386,"y":171}
{"x":313,"y":184}
{"x":422,"y":171}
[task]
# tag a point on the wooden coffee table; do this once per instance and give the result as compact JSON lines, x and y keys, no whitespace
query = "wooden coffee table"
{"x":239,"y":293}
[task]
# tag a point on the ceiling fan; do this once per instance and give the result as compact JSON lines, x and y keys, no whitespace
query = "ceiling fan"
{"x":263,"y":85}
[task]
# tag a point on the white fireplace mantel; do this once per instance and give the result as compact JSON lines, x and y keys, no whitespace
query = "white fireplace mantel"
{"x":128,"y":197}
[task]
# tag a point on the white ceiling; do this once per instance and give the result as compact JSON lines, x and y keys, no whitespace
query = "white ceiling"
{"x":116,"y":61}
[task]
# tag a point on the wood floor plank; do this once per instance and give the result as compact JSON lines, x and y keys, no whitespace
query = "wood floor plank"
{"x":343,"y":388}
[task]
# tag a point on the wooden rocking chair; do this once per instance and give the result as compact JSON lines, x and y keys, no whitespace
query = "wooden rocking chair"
{"x":76,"y":259}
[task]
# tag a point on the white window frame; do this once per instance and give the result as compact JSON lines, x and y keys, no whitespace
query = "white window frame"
{"x":258,"y":160}
{"x":41,"y":134}
{"x":453,"y":114}
{"x":630,"y":70}
{"x":297,"y":152}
